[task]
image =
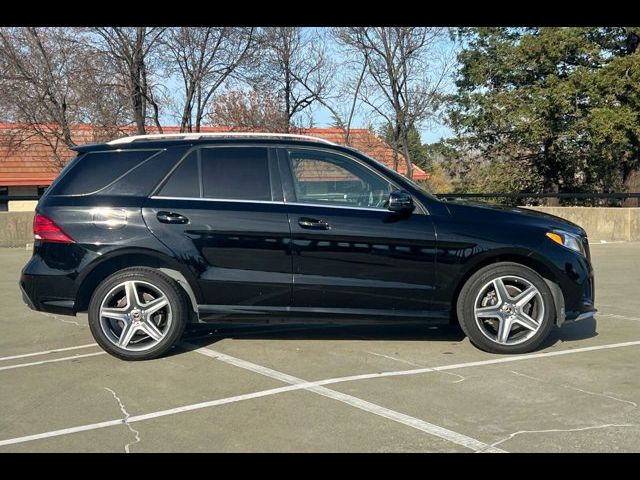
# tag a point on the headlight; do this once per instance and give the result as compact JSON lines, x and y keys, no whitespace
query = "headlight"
{"x":574,"y":242}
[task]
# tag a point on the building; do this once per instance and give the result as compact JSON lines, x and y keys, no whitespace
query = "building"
{"x":30,"y":162}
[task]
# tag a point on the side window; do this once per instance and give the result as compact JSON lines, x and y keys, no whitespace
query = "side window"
{"x":237,"y":173}
{"x":184,"y":181}
{"x":326,"y":178}
{"x":96,"y":170}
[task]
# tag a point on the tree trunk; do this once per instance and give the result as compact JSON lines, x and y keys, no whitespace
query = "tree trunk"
{"x":407,"y":157}
{"x":551,"y":186}
{"x":631,"y":182}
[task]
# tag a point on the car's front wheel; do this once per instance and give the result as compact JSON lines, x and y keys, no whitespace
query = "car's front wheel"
{"x":137,"y":314}
{"x":506,"y":308}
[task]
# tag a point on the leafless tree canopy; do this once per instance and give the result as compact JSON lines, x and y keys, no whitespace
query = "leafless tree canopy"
{"x":132,"y":55}
{"x":251,"y":110}
{"x":402,"y":81}
{"x":264,"y":78}
{"x":204,"y":59}
{"x":294,"y":64}
{"x":49,"y":84}
{"x":37,"y":78}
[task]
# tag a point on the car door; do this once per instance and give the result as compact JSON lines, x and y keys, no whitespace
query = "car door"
{"x":351,"y":254}
{"x":220,"y":211}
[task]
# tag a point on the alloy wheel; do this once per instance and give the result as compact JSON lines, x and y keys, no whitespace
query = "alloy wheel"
{"x":135,"y":315}
{"x":509,"y":310}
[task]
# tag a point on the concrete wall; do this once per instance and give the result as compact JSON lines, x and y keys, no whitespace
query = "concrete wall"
{"x":22,"y":205}
{"x":601,"y":223}
{"x":16,"y":229}
{"x":609,"y":224}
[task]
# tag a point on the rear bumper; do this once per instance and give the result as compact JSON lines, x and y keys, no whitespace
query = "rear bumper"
{"x":26,"y":299}
{"x":47,"y":290}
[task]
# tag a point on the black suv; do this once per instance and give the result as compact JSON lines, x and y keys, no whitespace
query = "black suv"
{"x":150,"y":233}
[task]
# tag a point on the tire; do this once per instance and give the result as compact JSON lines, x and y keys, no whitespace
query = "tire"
{"x":158,"y":302}
{"x":486,"y":319}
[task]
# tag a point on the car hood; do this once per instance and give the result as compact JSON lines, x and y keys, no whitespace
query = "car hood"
{"x":499,"y":213}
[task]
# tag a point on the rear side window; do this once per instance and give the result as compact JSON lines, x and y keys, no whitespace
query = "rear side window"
{"x":183,"y":182}
{"x":96,"y":170}
{"x":236,"y":173}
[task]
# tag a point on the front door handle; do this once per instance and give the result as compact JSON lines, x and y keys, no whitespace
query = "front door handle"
{"x":171,"y":217}
{"x":313,"y":224}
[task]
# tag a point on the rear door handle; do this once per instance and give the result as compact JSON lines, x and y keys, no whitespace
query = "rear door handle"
{"x":171,"y":217}
{"x":313,"y":224}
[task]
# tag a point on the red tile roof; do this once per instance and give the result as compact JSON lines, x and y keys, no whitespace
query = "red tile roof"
{"x":27,"y":159}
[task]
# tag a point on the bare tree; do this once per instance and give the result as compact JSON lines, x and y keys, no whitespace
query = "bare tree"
{"x":296,"y":66}
{"x":251,"y":110}
{"x":403,"y":83}
{"x":205,"y":58}
{"x":132,"y":55}
{"x":40,"y":85}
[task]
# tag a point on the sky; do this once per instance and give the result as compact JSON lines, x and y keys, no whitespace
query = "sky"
{"x":428,"y":133}
{"x":431,"y":132}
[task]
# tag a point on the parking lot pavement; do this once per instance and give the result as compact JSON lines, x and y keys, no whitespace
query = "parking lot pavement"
{"x":325,"y":388}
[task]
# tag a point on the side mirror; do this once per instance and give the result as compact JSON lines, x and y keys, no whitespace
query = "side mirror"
{"x":400,"y":201}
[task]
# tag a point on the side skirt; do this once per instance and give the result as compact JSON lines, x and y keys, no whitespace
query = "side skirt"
{"x":262,"y":314}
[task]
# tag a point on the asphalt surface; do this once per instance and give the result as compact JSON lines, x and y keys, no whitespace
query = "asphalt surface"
{"x":325,"y":388}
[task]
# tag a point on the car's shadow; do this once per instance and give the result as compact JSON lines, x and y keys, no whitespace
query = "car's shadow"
{"x":202,"y":335}
{"x":571,"y":332}
{"x":207,"y":334}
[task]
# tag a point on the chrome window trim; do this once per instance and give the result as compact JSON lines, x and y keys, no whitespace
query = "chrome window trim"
{"x":299,"y":204}
{"x":201,"y":199}
{"x":234,"y":200}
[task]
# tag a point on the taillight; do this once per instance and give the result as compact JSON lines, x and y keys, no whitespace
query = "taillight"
{"x":45,"y":230}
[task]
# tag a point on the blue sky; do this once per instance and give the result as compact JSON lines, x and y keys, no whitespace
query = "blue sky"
{"x":431,"y":132}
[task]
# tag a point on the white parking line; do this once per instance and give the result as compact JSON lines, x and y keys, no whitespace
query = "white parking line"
{"x":47,"y":352}
{"x":430,"y":428}
{"x":42,"y":362}
{"x":307,"y":385}
{"x":621,"y":317}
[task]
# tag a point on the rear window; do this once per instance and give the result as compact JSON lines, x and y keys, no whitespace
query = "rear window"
{"x":96,"y":170}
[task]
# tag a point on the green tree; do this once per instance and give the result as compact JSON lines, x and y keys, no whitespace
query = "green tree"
{"x":417,"y":151}
{"x":563,"y":100}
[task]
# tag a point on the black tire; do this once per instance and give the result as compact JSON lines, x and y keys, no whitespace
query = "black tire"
{"x":180,"y":310}
{"x":470,"y":291}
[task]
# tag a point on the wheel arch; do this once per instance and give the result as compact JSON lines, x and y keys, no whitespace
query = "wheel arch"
{"x":524,"y":259}
{"x":113,"y":263}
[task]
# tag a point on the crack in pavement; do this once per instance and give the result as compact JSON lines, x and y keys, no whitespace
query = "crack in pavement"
{"x":125,"y":420}
{"x":570,"y":387}
{"x":460,"y":377}
{"x":557,"y":430}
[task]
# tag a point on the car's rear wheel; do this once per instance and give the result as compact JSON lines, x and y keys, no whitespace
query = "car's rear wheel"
{"x":506,"y":308}
{"x":137,"y":314}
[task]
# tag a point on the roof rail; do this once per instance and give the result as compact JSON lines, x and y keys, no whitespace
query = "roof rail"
{"x":200,"y":135}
